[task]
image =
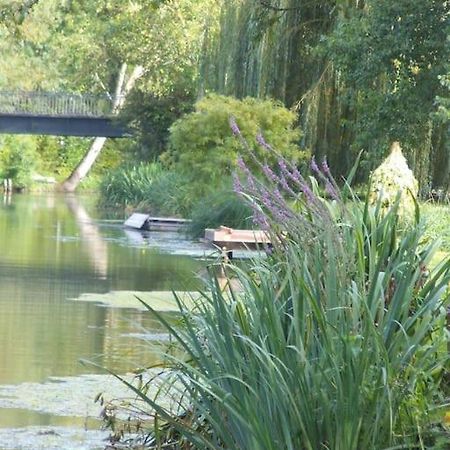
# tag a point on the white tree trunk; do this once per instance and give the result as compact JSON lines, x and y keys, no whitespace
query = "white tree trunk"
{"x":85,"y":165}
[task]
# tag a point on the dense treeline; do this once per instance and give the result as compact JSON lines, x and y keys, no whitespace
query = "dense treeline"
{"x":358,"y":73}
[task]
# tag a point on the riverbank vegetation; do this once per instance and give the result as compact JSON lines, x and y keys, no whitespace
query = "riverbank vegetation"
{"x":338,"y":336}
{"x":357,"y":75}
{"x":334,"y":67}
{"x":337,"y":339}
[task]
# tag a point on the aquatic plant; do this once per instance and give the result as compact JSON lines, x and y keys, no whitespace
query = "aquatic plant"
{"x":129,"y":184}
{"x":336,"y":340}
{"x":149,"y":187}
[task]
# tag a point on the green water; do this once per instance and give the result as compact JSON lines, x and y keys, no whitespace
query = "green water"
{"x":54,"y":249}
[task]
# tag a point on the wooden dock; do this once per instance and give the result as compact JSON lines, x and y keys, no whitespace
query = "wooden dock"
{"x":146,"y":222}
{"x":237,"y":239}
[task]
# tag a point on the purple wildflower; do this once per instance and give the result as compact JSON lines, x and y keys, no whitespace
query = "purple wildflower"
{"x":261,"y":141}
{"x":269,"y":173}
{"x":314,"y":166}
{"x":285,"y":185}
{"x":251,"y":185}
{"x":241,"y":164}
{"x":297,"y":176}
{"x":283,"y":167}
{"x":277,"y":195}
{"x":266,"y":200}
{"x":234,"y":126}
{"x":309,"y":194}
{"x":330,"y":178}
{"x":325,"y":167}
{"x":237,"y":186}
{"x":260,"y":219}
{"x":331,"y":191}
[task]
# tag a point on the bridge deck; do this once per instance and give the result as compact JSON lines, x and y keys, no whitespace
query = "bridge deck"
{"x":62,"y":126}
{"x":59,"y":114}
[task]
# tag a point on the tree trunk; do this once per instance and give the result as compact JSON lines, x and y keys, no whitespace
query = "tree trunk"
{"x":85,"y":165}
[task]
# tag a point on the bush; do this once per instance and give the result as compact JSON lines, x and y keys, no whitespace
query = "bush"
{"x":202,"y":147}
{"x":220,"y":208}
{"x":168,"y":195}
{"x":129,"y":185}
{"x":18,"y":160}
{"x":148,"y":187}
{"x":150,"y":116}
{"x":337,"y":340}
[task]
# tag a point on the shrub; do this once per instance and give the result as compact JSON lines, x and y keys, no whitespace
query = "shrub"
{"x":148,"y":187}
{"x":151,"y":115}
{"x":223,"y":207}
{"x":129,"y":185}
{"x":18,"y":160}
{"x":168,"y":195}
{"x":202,"y":147}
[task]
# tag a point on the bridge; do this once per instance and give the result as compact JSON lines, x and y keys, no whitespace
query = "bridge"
{"x":59,"y":114}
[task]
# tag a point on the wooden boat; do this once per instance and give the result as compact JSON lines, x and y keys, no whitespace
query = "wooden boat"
{"x":146,"y":222}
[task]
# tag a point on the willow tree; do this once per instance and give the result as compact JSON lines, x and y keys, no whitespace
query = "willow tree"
{"x":361,"y":73}
{"x":275,"y":49}
{"x":393,"y":56}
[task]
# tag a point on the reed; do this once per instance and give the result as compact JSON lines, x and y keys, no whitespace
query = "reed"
{"x":336,"y":341}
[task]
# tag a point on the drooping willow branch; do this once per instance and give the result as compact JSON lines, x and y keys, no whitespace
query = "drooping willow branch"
{"x":267,"y":4}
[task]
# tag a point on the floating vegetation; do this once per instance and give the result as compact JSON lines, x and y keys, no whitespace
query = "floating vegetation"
{"x":162,"y":301}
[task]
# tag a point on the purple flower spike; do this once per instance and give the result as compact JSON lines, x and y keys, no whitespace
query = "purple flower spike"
{"x":325,"y":167}
{"x":234,"y":127}
{"x":331,"y":191}
{"x":241,"y":164}
{"x":268,"y":172}
{"x":260,"y":220}
{"x":309,"y":194}
{"x":314,"y":166}
{"x":237,"y":186}
{"x":261,"y":141}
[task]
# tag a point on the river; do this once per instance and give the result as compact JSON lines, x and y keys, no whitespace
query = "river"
{"x":59,"y":257}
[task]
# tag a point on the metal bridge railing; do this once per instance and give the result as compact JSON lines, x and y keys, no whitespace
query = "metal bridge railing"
{"x":55,"y":104}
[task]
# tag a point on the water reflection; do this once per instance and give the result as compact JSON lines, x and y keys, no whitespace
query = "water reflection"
{"x":96,"y":247}
{"x":51,"y":250}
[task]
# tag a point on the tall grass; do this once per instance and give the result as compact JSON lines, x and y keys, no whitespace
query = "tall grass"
{"x":148,"y":187}
{"x":129,"y":185}
{"x":438,"y":223}
{"x":335,"y":341}
{"x":223,"y":207}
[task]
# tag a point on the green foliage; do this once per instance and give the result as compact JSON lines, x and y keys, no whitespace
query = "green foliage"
{"x":361,"y":73}
{"x":338,"y":336}
{"x":339,"y":339}
{"x":168,"y":196}
{"x":437,"y":224}
{"x":150,"y":116}
{"x":17,"y":160}
{"x":148,"y":187}
{"x":129,"y":185}
{"x":219,"y":208}
{"x":203,"y":148}
{"x":405,"y":48}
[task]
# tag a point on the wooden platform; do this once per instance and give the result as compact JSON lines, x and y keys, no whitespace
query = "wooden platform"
{"x":237,"y":239}
{"x":146,"y":222}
